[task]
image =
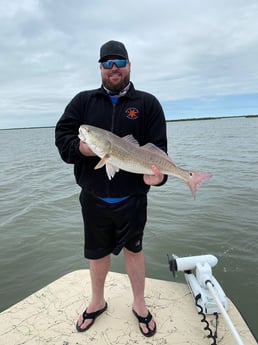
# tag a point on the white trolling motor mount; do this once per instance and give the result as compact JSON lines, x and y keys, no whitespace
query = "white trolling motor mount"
{"x":207,"y":293}
{"x":197,"y":283}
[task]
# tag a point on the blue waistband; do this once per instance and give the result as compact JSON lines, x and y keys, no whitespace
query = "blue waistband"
{"x":113,"y":200}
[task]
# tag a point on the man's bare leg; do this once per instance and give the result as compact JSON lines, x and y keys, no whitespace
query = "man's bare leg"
{"x":135,"y":268}
{"x":98,"y":272}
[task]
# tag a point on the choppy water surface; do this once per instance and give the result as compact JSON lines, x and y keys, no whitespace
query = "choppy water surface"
{"x":41,"y":226}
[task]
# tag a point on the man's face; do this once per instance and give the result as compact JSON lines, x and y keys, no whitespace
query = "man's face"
{"x":115,"y":78}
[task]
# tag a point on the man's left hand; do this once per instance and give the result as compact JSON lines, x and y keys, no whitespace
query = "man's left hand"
{"x":155,"y":179}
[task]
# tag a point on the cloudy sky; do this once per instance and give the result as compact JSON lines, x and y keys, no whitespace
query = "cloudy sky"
{"x":199,"y":58}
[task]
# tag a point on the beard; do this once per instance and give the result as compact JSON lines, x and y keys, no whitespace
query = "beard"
{"x":116,"y":86}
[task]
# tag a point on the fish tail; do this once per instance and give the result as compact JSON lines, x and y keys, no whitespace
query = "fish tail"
{"x":195,"y":179}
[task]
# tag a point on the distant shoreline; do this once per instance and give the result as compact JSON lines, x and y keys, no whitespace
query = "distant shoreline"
{"x":177,"y":120}
{"x":213,"y":118}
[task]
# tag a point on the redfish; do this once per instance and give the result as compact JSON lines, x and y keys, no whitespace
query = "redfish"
{"x":126,"y":154}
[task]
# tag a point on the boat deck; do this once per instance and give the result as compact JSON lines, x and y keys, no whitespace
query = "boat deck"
{"x":49,"y":315}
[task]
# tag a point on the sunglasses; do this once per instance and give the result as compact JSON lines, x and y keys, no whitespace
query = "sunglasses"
{"x":109,"y":63}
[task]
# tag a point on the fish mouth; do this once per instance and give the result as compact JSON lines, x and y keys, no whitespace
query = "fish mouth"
{"x":80,"y":131}
{"x":83,"y":133}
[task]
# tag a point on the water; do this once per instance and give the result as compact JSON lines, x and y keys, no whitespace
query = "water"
{"x":41,"y":226}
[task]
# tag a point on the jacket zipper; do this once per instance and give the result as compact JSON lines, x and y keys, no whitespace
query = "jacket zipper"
{"x":113,"y":118}
{"x":112,"y":130}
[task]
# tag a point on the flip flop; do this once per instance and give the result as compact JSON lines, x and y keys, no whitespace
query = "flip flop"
{"x":146,"y":321}
{"x":92,"y":316}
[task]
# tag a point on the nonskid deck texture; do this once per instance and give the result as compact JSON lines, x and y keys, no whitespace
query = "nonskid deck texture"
{"x":49,"y":315}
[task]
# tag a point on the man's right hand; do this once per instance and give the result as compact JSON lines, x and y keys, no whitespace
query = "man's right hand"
{"x":85,"y":150}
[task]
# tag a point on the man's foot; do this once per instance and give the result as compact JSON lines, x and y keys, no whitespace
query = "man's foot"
{"x":144,"y":324}
{"x":89,"y":316}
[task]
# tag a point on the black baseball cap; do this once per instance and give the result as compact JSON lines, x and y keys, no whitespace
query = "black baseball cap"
{"x":113,"y":48}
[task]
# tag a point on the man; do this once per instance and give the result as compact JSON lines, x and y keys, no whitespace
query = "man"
{"x":114,"y":212}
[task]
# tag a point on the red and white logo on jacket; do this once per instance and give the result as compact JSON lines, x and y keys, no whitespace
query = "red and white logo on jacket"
{"x":132,"y":113}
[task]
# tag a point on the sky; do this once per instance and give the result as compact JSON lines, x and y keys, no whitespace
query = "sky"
{"x":199,"y":58}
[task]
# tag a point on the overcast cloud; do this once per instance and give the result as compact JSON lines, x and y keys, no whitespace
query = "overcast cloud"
{"x":196,"y":57}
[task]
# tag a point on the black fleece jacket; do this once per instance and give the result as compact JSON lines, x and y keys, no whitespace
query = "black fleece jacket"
{"x":138,"y":113}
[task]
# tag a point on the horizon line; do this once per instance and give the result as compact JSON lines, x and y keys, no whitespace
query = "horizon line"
{"x":170,"y":120}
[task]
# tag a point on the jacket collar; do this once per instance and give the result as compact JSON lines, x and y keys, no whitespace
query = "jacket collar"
{"x":130,"y":93}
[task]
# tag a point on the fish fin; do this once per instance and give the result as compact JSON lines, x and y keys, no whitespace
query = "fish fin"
{"x":130,"y":139}
{"x":153,"y":148}
{"x":102,"y":162}
{"x":111,"y":170}
{"x":196,"y":178}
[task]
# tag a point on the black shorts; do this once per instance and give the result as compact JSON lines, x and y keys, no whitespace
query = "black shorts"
{"x":110,"y":227}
